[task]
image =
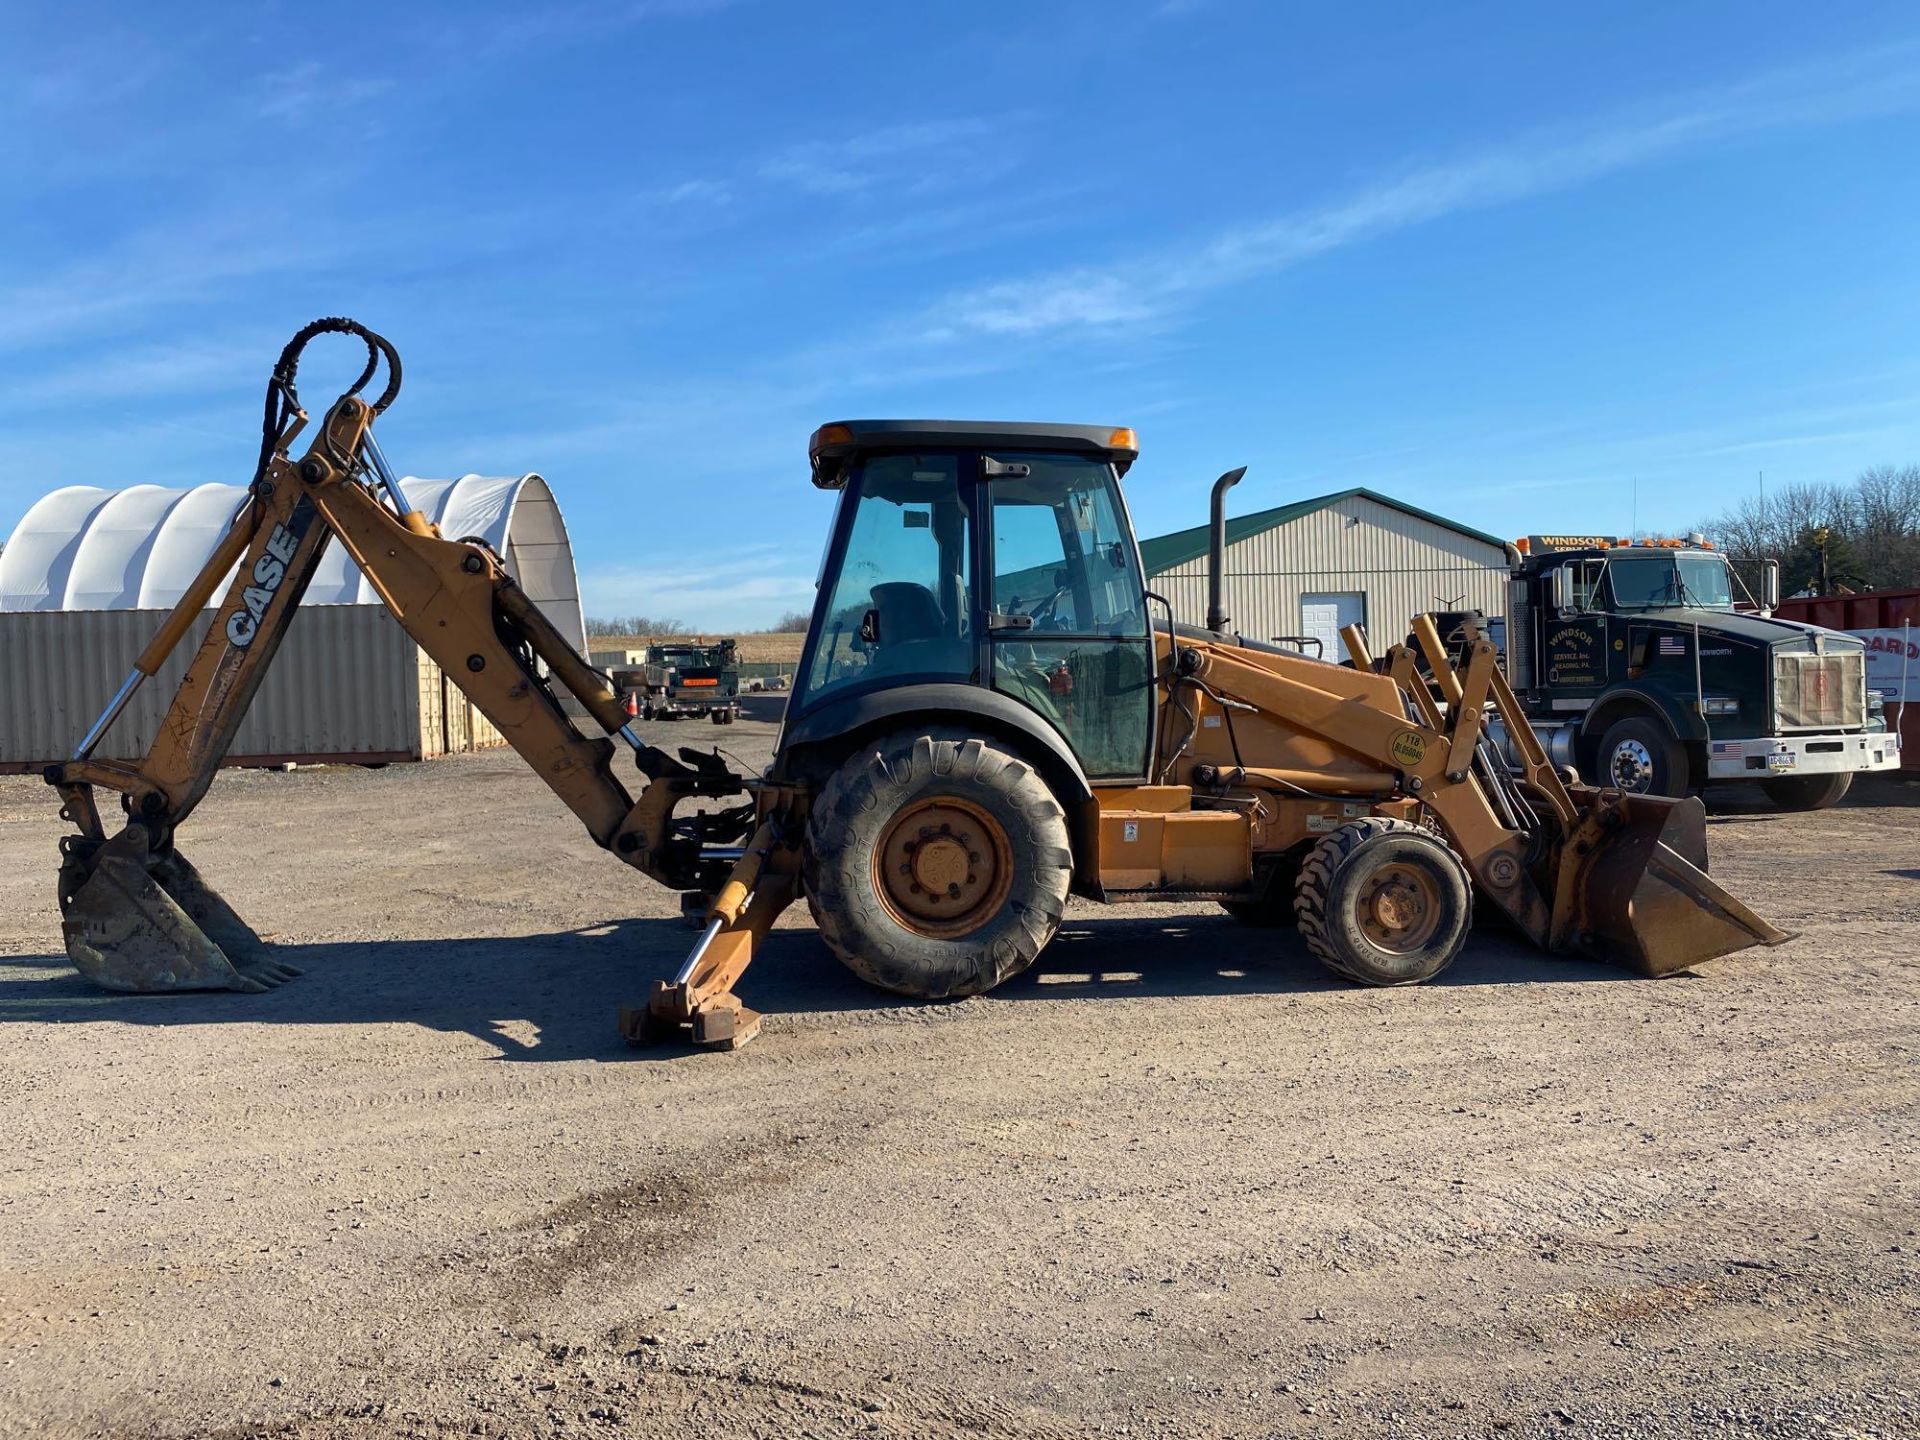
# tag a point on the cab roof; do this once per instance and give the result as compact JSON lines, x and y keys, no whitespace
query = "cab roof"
{"x":835,"y":443}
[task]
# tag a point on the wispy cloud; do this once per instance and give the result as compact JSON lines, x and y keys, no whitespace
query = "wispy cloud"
{"x":692,"y":192}
{"x":166,"y":264}
{"x":1135,"y":289}
{"x":309,"y":89}
{"x":921,"y":154}
{"x":182,"y":367}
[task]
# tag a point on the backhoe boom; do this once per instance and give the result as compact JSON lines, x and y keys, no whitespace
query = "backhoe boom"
{"x":136,"y":915}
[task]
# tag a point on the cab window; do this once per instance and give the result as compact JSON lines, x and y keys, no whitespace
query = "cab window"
{"x":900,"y":595}
{"x":1061,"y":554}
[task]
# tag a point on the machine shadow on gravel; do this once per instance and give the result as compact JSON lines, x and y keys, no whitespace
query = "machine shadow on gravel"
{"x":554,"y":996}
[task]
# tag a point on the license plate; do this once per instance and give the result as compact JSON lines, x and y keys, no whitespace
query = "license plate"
{"x":1781,"y":762}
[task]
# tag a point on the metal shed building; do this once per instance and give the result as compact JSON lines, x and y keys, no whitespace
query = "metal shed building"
{"x":1311,"y":567}
{"x":89,"y":574}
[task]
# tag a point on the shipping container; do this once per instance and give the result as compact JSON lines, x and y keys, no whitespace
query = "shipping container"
{"x":348,"y":687}
{"x":1889,"y":622}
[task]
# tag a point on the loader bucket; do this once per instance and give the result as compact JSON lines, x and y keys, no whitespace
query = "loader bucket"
{"x":143,"y":922}
{"x":1640,"y":895}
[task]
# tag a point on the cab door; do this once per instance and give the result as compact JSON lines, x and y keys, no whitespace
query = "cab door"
{"x":1066,"y":622}
{"x":1574,"y":638}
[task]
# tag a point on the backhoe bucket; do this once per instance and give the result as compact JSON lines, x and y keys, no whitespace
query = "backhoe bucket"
{"x":143,"y":922}
{"x":1639,"y":894}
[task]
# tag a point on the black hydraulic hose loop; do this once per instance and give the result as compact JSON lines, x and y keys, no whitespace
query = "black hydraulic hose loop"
{"x":283,"y":398}
{"x":378,"y":349}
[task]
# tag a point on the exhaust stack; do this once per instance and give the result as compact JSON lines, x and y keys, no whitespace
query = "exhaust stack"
{"x":1217,"y":550}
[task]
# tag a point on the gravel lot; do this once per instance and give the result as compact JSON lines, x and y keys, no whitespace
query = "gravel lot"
{"x":1174,"y":1182}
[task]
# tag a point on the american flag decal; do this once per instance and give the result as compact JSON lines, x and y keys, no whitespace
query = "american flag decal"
{"x":1726,"y":747}
{"x":1672,"y":645}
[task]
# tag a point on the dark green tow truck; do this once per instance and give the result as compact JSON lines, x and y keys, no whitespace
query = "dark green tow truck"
{"x":1637,"y":669}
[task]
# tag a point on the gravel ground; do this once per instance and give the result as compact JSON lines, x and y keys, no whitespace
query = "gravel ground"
{"x":1174,"y":1182}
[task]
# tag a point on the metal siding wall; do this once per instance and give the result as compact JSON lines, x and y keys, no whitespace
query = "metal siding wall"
{"x":1400,"y":562}
{"x":344,"y":683}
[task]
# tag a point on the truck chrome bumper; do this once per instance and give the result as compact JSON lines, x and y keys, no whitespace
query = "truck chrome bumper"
{"x":1801,"y":755}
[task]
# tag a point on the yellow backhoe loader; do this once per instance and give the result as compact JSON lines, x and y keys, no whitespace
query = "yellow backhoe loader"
{"x":991,"y":713}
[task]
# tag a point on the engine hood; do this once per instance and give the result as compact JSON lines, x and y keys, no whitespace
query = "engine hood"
{"x":1740,"y":625}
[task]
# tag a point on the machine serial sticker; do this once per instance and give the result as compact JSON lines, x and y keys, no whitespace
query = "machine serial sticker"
{"x":1321,"y":824}
{"x":1408,"y":748}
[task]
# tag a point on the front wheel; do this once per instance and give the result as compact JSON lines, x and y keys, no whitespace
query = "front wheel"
{"x":1808,"y":792}
{"x":1383,"y":902}
{"x":937,"y":863}
{"x":1637,"y":755}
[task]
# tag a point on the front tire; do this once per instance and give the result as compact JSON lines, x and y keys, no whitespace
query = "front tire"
{"x":1383,"y":902}
{"x":1808,"y":792}
{"x":1638,"y":756}
{"x":937,"y":863}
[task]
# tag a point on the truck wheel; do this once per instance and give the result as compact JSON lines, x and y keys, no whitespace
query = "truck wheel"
{"x":1637,"y":755}
{"x":1383,"y":902}
{"x":1808,"y":792}
{"x":937,"y":863}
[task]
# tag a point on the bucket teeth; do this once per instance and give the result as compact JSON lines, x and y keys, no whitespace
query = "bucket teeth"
{"x":138,"y":922}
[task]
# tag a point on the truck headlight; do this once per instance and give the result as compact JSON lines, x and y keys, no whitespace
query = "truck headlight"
{"x":1719,"y":705}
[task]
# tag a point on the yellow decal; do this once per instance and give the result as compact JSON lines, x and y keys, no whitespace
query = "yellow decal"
{"x":1408,"y":748}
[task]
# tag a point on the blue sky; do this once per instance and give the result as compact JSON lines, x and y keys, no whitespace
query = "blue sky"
{"x":1499,"y":260}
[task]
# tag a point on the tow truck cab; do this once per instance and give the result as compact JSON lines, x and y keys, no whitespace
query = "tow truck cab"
{"x":1636,"y":667}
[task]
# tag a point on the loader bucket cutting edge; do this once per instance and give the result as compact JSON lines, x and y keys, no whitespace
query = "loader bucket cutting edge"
{"x":1644,"y":903}
{"x":141,"y":923}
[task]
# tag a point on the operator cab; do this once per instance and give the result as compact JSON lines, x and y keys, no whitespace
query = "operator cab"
{"x":989,"y":555}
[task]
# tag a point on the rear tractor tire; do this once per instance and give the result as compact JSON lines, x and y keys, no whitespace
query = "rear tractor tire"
{"x":1383,"y":902}
{"x":937,"y":863}
{"x":1808,"y":792}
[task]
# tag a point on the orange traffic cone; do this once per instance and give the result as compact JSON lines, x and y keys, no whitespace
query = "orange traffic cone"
{"x":633,"y":706}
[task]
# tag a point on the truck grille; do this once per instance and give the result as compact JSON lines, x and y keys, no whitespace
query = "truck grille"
{"x":1820,"y":692}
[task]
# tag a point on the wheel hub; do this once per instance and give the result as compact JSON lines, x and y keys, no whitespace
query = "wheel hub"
{"x":1399,"y":908}
{"x":1632,"y":767}
{"x":943,"y":866}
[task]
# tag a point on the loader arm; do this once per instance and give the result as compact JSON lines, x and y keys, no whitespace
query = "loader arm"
{"x":1620,"y":877}
{"x":137,"y":916}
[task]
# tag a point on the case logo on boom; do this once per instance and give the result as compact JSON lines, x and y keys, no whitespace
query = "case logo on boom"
{"x":268,"y":573}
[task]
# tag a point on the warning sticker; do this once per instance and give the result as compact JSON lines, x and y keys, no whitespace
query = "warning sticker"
{"x":1321,"y":824}
{"x":1408,"y":747}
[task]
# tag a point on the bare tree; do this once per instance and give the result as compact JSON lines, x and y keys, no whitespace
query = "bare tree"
{"x":636,"y":625}
{"x":1873,"y":522}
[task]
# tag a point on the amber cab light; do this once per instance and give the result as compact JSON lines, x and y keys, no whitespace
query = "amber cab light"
{"x":1124,"y":439}
{"x":829,"y":435}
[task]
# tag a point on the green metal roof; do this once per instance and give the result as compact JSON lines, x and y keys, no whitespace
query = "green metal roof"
{"x":1164,"y":552}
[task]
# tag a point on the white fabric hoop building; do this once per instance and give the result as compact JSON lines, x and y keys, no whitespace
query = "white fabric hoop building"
{"x":86,"y":548}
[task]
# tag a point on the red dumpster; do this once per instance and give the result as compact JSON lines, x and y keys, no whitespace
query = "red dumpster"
{"x":1889,"y":622}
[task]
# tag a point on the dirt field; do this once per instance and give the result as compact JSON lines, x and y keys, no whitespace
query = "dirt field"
{"x":1175,"y":1182}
